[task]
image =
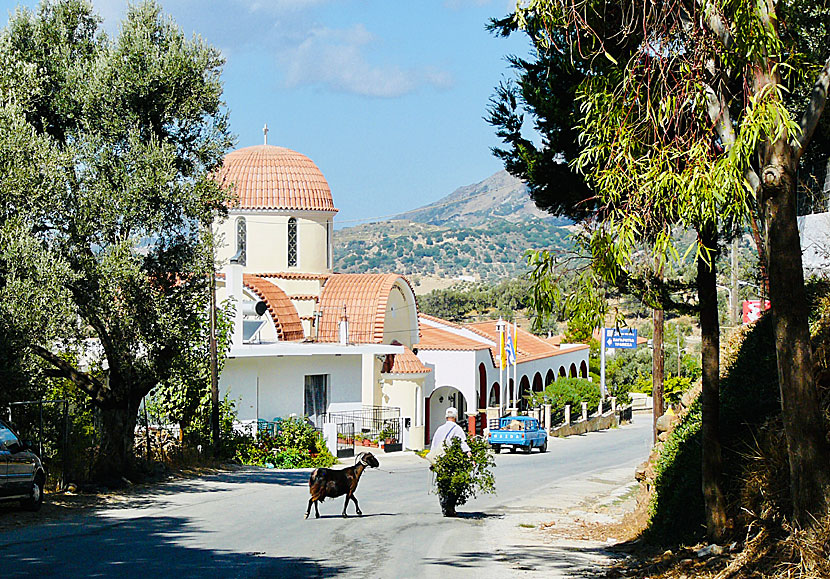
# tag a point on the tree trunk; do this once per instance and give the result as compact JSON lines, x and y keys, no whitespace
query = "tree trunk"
{"x":657,"y":371}
{"x":711,"y":459}
{"x":115,"y":456}
{"x":808,"y":450}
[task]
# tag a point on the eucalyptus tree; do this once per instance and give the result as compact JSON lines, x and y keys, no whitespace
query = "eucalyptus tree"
{"x":137,"y":125}
{"x":694,"y":116}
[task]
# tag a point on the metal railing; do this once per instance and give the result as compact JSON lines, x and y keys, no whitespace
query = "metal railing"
{"x":373,"y":425}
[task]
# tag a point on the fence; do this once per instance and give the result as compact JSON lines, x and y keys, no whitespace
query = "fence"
{"x":373,"y":426}
{"x":155,"y":438}
{"x":45,"y":423}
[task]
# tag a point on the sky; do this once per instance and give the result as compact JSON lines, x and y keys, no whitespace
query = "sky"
{"x":387,"y":97}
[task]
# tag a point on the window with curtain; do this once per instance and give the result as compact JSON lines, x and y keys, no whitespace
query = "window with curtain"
{"x":292,"y":242}
{"x":316,"y":395}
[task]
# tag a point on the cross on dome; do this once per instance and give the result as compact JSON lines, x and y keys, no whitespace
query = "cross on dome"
{"x":265,"y":132}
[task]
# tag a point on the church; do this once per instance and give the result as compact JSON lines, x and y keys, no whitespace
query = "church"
{"x":333,"y":347}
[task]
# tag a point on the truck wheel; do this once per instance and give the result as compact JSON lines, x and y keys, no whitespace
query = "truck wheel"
{"x":497,"y":448}
{"x":544,"y":447}
{"x":35,"y":501}
{"x":527,"y":448}
{"x":512,"y":449}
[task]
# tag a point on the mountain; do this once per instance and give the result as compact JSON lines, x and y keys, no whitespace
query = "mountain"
{"x":500,"y":196}
{"x":478,"y":232}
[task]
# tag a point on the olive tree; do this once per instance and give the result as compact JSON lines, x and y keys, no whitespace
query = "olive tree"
{"x":118,"y":234}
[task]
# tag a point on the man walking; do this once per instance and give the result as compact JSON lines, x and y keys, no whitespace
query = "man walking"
{"x":443,"y":437}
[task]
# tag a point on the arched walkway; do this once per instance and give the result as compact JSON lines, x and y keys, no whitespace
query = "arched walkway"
{"x":482,"y":387}
{"x":524,"y":389}
{"x":583,"y":369}
{"x":441,"y":399}
{"x":573,"y":371}
{"x":562,"y":371}
{"x":549,"y":378}
{"x":495,"y":395}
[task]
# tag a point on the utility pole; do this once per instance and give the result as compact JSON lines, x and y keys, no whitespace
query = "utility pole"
{"x":657,"y":370}
{"x":677,"y":332}
{"x":214,"y":378}
{"x":733,"y":294}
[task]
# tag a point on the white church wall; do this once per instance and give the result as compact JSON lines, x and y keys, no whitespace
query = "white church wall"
{"x":269,"y":387}
{"x":401,"y":320}
{"x":267,"y":240}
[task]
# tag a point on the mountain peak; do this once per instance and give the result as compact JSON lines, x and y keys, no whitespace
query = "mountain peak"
{"x":500,"y":196}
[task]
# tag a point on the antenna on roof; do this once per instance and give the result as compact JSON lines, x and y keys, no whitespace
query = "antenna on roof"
{"x":265,"y":132}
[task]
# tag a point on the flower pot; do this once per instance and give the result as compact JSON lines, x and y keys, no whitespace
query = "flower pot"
{"x":447,"y":503}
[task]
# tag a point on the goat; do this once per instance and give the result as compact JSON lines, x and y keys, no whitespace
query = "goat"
{"x":327,"y":483}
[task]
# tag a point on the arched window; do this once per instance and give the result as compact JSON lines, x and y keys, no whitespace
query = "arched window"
{"x":292,"y":242}
{"x":241,"y":241}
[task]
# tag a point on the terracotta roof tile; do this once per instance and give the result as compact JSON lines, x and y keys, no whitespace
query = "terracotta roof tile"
{"x":407,"y":363}
{"x":365,"y":297}
{"x":530,"y":347}
{"x":286,"y":321}
{"x":296,"y":275}
{"x":437,"y":339}
{"x":268,"y":177}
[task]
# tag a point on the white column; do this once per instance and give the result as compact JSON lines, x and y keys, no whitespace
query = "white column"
{"x":233,"y":288}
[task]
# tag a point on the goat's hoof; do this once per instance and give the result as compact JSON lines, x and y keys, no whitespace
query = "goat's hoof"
{"x":359,"y":513}
{"x":306,"y":516}
{"x":345,"y":516}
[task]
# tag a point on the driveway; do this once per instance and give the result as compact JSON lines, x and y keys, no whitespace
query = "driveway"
{"x":249,"y":522}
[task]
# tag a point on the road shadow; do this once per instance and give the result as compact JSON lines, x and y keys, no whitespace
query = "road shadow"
{"x":147,"y":547}
{"x":476,"y":515}
{"x":351,"y":516}
{"x":573,"y":561}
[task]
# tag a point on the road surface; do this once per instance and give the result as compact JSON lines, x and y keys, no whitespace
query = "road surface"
{"x":249,"y":523}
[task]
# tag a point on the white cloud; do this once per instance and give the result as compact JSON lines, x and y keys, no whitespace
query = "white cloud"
{"x":337,"y":59}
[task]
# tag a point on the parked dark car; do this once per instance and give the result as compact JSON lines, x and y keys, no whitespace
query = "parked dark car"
{"x":21,"y":473}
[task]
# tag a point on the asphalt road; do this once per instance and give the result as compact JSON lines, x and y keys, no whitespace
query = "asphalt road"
{"x":249,"y":523}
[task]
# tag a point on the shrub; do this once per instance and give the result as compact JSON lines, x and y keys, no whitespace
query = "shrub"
{"x":295,"y":445}
{"x":566,"y":391}
{"x":462,"y":476}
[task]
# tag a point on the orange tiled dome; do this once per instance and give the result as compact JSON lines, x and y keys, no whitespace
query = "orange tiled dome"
{"x":269,"y":177}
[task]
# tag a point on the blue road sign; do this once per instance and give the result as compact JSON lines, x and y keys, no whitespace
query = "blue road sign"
{"x":622,"y":338}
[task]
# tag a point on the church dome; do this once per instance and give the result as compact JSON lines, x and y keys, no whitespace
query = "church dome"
{"x":269,"y":177}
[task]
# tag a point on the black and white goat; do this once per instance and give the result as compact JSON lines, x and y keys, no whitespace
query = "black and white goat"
{"x":325,"y":483}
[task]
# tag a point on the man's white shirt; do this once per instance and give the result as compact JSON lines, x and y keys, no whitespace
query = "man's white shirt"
{"x":449,"y":430}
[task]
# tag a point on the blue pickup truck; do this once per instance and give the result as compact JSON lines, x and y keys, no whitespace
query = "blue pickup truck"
{"x":517,"y":432}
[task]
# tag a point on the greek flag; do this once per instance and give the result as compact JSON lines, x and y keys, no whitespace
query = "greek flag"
{"x":510,"y":350}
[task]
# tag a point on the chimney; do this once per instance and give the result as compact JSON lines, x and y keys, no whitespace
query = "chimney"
{"x":344,"y":327}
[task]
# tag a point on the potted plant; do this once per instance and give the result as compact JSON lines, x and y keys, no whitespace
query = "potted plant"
{"x":459,"y":477}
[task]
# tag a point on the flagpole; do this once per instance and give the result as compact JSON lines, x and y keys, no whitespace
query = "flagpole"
{"x":500,"y":327}
{"x":515,"y":363}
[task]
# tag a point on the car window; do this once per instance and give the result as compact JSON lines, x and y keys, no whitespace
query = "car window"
{"x":6,"y":436}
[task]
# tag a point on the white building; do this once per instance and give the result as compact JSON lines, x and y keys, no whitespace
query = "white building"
{"x":324,"y":342}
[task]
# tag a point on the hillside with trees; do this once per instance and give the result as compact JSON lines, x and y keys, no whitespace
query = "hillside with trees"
{"x":490,"y":251}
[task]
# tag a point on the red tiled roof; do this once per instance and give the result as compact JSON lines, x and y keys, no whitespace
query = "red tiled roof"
{"x":268,"y":177}
{"x":438,"y":339}
{"x":365,"y":297}
{"x":296,"y":275}
{"x":282,"y":311}
{"x":407,"y":363}
{"x":530,"y":347}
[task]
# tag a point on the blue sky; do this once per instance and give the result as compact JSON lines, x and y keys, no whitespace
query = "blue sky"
{"x":386,"y":96}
